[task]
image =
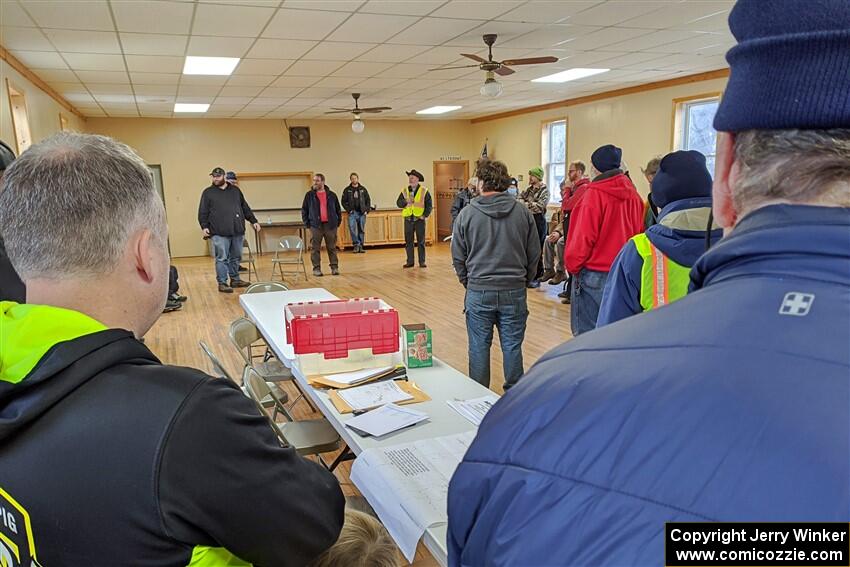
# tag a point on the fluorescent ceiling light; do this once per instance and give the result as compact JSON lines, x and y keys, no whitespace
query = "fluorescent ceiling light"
{"x":186,"y":107}
{"x":210,"y":65}
{"x":438,"y":109}
{"x":569,"y":75}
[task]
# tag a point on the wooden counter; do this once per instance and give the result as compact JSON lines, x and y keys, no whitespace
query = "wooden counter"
{"x":384,"y":226}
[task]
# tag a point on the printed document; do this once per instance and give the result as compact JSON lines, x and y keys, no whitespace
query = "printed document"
{"x":374,"y":395}
{"x":385,"y":420}
{"x":474,"y":410}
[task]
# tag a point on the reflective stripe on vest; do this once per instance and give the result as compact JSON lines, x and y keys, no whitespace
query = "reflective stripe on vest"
{"x":417,"y":209}
{"x":662,"y":280}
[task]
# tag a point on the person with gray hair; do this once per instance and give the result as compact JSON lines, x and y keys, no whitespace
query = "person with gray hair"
{"x":109,"y":455}
{"x":729,"y":405}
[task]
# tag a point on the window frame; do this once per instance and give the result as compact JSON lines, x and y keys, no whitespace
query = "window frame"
{"x":680,"y":117}
{"x":545,"y":154}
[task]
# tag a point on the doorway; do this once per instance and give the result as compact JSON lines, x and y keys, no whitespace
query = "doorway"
{"x":156,"y":174}
{"x":450,"y":176}
{"x":20,"y":118}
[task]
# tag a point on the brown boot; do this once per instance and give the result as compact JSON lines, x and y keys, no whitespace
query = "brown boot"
{"x":547,"y":275}
{"x":560,"y":277}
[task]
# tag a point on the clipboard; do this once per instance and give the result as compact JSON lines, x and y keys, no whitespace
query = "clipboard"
{"x":407,"y":387}
{"x":319,"y":381}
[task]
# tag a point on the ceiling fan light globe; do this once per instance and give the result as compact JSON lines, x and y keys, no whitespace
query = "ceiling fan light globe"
{"x":491,"y":88}
{"x":357,"y":126}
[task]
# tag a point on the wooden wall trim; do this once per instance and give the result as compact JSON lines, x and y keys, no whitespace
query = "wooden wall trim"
{"x":718,"y":74}
{"x":36,"y":80}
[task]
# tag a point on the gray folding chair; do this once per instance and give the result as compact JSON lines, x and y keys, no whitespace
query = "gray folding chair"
{"x":252,"y":265}
{"x":290,"y":253}
{"x":265,"y":287}
{"x":309,"y":437}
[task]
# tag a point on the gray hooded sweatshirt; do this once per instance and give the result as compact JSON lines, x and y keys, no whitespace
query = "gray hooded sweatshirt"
{"x":495,"y":245}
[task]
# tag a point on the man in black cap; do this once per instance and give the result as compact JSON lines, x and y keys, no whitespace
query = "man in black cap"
{"x":416,"y":205}
{"x":729,"y":405}
{"x":222,"y":214}
{"x":11,"y":286}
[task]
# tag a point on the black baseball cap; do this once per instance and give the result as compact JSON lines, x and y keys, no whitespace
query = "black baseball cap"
{"x":217,"y":171}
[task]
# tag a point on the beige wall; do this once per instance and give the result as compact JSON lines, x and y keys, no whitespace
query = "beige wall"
{"x":639,"y":123}
{"x":189,"y":148}
{"x":42,"y":110}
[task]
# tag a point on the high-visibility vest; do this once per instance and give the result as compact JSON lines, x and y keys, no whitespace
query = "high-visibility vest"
{"x":662,"y":280}
{"x":417,"y":209}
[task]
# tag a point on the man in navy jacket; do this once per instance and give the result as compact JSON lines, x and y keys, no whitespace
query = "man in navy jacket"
{"x":730,"y":404}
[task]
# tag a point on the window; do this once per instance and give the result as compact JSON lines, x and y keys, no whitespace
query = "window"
{"x":694,"y":128}
{"x":20,"y":119}
{"x":554,"y":157}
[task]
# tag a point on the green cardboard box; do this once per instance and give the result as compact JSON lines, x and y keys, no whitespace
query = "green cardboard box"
{"x":417,"y":346}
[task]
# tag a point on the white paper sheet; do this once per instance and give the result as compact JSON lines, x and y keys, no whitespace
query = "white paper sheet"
{"x":475,"y":409}
{"x":386,"y":419}
{"x":357,"y":375}
{"x":412,"y":480}
{"x":374,"y":395}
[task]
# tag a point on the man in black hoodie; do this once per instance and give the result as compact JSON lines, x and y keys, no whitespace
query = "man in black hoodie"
{"x":495,"y":252}
{"x":108,"y":456}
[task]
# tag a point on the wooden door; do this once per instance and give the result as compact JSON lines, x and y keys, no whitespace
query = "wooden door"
{"x":376,"y":228}
{"x":395,"y":227}
{"x":449,"y":178}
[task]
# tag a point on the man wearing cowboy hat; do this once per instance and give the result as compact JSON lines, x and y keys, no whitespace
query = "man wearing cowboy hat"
{"x":416,"y":205}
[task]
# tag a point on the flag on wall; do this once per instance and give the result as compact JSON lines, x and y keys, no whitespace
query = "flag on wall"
{"x":484,"y":149}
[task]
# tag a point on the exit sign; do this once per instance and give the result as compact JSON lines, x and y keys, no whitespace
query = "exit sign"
{"x":449,"y":158}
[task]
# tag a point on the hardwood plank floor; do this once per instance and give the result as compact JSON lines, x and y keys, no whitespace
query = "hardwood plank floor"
{"x":432,"y":296}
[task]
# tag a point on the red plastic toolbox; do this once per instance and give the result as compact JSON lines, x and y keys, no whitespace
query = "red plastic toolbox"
{"x":333,"y":328}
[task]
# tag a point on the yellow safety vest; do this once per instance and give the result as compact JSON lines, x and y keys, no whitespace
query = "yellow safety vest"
{"x":417,"y":209}
{"x":662,"y":280}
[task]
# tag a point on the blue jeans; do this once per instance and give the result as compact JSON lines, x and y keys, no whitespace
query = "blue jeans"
{"x":508,"y":311}
{"x":586,"y":296}
{"x":357,"y":227}
{"x":228,"y":252}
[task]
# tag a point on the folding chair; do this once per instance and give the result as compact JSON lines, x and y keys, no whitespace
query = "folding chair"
{"x":265,"y":287}
{"x":290,"y":252}
{"x":252,"y":265}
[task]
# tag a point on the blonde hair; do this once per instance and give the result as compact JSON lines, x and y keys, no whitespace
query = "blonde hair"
{"x":363,"y":542}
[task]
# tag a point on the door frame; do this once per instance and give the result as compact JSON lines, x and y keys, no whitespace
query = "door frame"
{"x":434,"y":199}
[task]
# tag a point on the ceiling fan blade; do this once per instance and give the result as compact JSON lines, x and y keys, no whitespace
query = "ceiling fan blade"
{"x":530,"y":60}
{"x":457,"y":67}
{"x":503,"y":71}
{"x":474,"y":57}
{"x":341,"y":111}
{"x":376,"y":109}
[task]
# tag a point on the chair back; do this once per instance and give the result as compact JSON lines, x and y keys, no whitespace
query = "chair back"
{"x":217,"y":366}
{"x":291,"y":244}
{"x":258,"y":390}
{"x":243,"y":333}
{"x":264,"y":287}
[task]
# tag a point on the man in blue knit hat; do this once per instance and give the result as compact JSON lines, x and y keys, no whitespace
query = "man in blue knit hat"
{"x":731,"y":404}
{"x":653,"y":268}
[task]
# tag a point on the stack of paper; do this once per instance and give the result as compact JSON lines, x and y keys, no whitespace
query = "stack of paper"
{"x":474,"y":410}
{"x":373,"y":395}
{"x":358,"y":376}
{"x":385,"y":420}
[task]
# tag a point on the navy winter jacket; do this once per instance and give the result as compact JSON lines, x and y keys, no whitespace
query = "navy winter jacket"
{"x":311,"y":209}
{"x":732,"y":404}
{"x":679,"y":235}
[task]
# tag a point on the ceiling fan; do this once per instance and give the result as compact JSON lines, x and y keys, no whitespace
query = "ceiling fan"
{"x":491,"y":86}
{"x":357,"y":125}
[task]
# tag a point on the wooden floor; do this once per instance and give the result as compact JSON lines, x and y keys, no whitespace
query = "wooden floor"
{"x":432,"y":296}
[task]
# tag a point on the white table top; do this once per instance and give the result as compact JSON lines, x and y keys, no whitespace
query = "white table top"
{"x":441,"y":382}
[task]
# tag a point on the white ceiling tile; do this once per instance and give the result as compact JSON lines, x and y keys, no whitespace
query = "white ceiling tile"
{"x":67,"y":87}
{"x":204,"y":80}
{"x":26,"y":39}
{"x":233,"y":100}
{"x":79,"y":15}
{"x":374,"y":27}
{"x":551,"y":36}
{"x":195,"y":99}
{"x":318,"y":91}
{"x":434,"y":31}
{"x":313,"y":68}
{"x":154,"y":90}
{"x":303,"y":24}
{"x":73,"y":41}
{"x":153,"y":44}
{"x":197,"y":90}
{"x":233,"y":21}
{"x":209,"y":46}
{"x":78,"y":98}
{"x":55,"y":75}
{"x":613,"y":12}
{"x":455,"y":73}
{"x":697,"y":45}
{"x":262,"y":105}
{"x":618,"y":60}
{"x":376,"y":83}
{"x":679,"y":14}
{"x":114,"y":77}
{"x":250,"y":80}
{"x":307,"y":100}
{"x":250,"y":115}
{"x":443,"y":55}
{"x":712,"y":23}
{"x":405,"y":71}
{"x":332,"y":5}
{"x":401,"y":7}
{"x":216,"y":107}
{"x":153,"y":15}
{"x":475,"y":9}
{"x":395,"y":53}
{"x":155,"y":102}
{"x":94,"y":61}
{"x":110,"y":88}
{"x":155,"y":63}
{"x":280,"y":48}
{"x":272,"y":67}
{"x":11,"y":14}
{"x":155,"y":78}
{"x":654,"y":39}
{"x":219,"y":114}
{"x":505,"y":31}
{"x":603,"y":38}
{"x":280,"y":92}
{"x":114,"y":100}
{"x":40,"y":59}
{"x":337,"y":50}
{"x":547,"y":11}
{"x":260,"y":3}
{"x":301,"y":81}
{"x":338,"y":82}
{"x":240,"y":91}
{"x":361,"y":69}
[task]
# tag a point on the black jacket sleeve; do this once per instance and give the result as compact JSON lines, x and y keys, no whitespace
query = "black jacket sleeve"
{"x":346,"y":199}
{"x":247,"y":213}
{"x":429,"y":205}
{"x":225,"y":481}
{"x":11,"y":286}
{"x":305,"y":208}
{"x":457,"y":205}
{"x":367,"y":199}
{"x":204,"y":211}
{"x":335,"y":204}
{"x":401,"y":202}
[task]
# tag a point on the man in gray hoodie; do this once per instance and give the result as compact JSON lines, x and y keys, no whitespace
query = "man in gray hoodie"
{"x":495,"y":251}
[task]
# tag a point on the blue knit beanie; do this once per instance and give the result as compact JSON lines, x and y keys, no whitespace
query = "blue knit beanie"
{"x":791,"y":67}
{"x":681,"y":175}
{"x":606,"y":158}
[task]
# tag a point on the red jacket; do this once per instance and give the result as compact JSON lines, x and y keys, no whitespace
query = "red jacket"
{"x":602,"y":221}
{"x":576,"y":191}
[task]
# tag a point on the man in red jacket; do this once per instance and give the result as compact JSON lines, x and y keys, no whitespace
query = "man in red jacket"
{"x":602,"y":221}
